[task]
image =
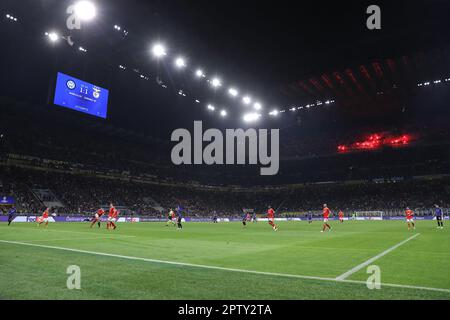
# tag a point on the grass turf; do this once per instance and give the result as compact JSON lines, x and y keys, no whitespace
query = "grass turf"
{"x":296,"y":248}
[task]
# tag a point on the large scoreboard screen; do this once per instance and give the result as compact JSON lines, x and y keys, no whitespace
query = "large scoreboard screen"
{"x":81,"y":96}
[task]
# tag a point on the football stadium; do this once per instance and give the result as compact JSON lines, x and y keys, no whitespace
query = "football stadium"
{"x":224,"y":150}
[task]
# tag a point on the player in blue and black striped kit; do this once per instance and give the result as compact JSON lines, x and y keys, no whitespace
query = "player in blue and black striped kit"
{"x":11,"y":214}
{"x":439,"y":216}
{"x":179,"y":217}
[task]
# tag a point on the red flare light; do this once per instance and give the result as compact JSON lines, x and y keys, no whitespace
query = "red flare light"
{"x":375,"y":141}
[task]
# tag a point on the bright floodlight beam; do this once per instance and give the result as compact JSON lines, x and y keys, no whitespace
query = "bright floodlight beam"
{"x":251,"y":117}
{"x":233,"y":92}
{"x":159,"y":50}
{"x":199,"y":73}
{"x":274,"y":112}
{"x":247,"y":100}
{"x":180,"y":63}
{"x":85,"y":10}
{"x":216,"y":82}
{"x":53,"y":36}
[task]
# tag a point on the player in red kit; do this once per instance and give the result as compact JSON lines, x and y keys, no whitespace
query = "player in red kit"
{"x":44,"y":217}
{"x":326,"y":215}
{"x":97,"y":217}
{"x":114,"y":219}
{"x":341,"y":216}
{"x":271,"y":217}
{"x":110,"y":215}
{"x":410,"y":218}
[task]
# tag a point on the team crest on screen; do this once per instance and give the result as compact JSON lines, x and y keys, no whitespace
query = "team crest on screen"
{"x":96,"y":93}
{"x":71,"y":84}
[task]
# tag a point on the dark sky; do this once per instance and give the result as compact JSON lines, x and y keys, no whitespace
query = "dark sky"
{"x":258,"y":46}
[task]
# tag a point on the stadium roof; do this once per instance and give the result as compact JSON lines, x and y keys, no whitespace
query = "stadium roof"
{"x":277,"y":55}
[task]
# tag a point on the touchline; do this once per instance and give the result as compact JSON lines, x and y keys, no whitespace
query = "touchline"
{"x":235,"y":151}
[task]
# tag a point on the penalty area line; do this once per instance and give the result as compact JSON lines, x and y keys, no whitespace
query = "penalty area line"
{"x":347,"y":274}
{"x":184,"y":264}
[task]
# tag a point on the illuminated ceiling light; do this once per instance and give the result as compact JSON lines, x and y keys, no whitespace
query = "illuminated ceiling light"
{"x":53,"y":36}
{"x":293,"y":109}
{"x":8,"y":16}
{"x":85,"y":10}
{"x":223,"y":113}
{"x":180,"y":63}
{"x":158,"y":50}
{"x":122,"y":67}
{"x":216,"y":83}
{"x":233,"y":92}
{"x":82,"y":49}
{"x":197,"y":101}
{"x":250,"y":117}
{"x":247,"y":100}
{"x":327,"y":102}
{"x":211,"y":107}
{"x":117,"y":27}
{"x":257,"y":106}
{"x":199,"y":73}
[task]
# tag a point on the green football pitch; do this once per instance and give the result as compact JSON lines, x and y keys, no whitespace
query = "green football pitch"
{"x":225,"y":261}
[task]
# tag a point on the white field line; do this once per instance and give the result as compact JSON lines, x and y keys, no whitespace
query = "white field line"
{"x":40,"y":229}
{"x":286,"y":275}
{"x":68,"y":239}
{"x":378,"y":256}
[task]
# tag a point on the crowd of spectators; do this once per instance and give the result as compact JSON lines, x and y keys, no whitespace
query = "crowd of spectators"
{"x":86,"y":165}
{"x":82,"y":194}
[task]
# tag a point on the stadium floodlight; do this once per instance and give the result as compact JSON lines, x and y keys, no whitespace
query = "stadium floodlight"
{"x":223,"y":113}
{"x":257,"y":106}
{"x":180,"y":63}
{"x":85,"y":10}
{"x":216,"y":82}
{"x":199,"y":73}
{"x":159,"y":50}
{"x":211,"y":107}
{"x":233,"y":92}
{"x":274,"y":112}
{"x":7,"y":16}
{"x":53,"y":36}
{"x":247,"y":100}
{"x":117,"y":27}
{"x":82,"y":49}
{"x":251,"y":117}
{"x":197,"y":101}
